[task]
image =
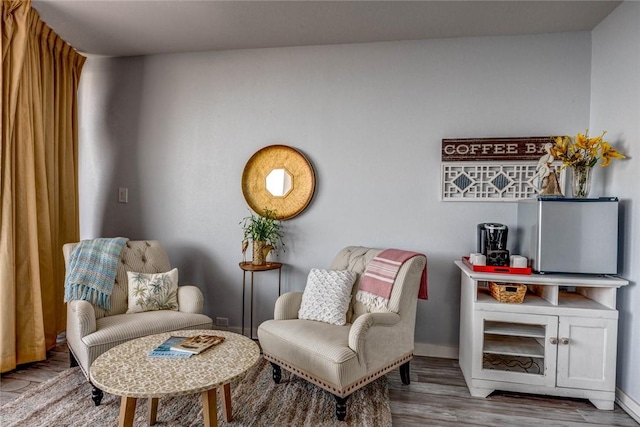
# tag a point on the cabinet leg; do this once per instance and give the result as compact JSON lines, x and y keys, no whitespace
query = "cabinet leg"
{"x":604,"y":405}
{"x":480,"y":392}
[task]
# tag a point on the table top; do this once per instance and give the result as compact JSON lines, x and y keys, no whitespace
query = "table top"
{"x":247,"y":266}
{"x":126,"y":370}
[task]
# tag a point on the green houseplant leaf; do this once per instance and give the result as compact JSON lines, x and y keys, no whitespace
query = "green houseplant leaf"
{"x":263,"y":228}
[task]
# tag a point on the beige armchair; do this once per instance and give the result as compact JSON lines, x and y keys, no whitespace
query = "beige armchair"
{"x":92,"y":330}
{"x":343,"y":359}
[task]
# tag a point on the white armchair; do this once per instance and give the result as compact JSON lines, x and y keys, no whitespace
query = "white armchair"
{"x":343,"y":359}
{"x":92,"y":330}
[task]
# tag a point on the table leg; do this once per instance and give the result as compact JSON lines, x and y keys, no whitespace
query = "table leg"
{"x":279,"y":281}
{"x":244,"y":275}
{"x":251,"y":309}
{"x":209,"y":408}
{"x":127,"y":411}
{"x":153,"y":410}
{"x":226,"y":402}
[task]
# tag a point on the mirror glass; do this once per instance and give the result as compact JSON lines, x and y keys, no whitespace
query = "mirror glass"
{"x":279,"y":182}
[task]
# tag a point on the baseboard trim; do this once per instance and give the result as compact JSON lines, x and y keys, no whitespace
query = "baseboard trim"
{"x":628,"y":405}
{"x":420,"y":349}
{"x":432,"y":350}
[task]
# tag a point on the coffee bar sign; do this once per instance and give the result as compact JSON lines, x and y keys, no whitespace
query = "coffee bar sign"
{"x":491,"y":169}
{"x":481,"y":149}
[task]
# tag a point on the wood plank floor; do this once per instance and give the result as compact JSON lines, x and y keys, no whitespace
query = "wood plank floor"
{"x":437,"y":396}
{"x":28,"y":376}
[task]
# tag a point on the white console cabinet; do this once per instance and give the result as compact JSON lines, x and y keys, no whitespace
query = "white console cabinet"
{"x":560,"y":341}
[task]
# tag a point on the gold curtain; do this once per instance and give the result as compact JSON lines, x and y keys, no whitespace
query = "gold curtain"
{"x":38,"y":181}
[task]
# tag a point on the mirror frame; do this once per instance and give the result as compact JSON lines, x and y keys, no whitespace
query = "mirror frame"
{"x":277,"y":157}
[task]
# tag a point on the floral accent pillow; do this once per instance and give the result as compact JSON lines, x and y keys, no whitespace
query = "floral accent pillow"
{"x":150,"y":292}
{"x":327,"y":296}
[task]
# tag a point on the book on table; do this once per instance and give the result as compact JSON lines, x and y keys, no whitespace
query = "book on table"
{"x":184,"y":347}
{"x":164,"y":349}
{"x":197,"y":344}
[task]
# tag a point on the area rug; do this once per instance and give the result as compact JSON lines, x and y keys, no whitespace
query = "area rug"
{"x":256,"y":401}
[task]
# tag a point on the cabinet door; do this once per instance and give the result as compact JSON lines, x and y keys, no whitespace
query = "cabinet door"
{"x":587,"y":353}
{"x":515,"y":348}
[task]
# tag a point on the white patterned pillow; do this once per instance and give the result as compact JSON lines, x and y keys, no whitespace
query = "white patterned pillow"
{"x":149,"y":292}
{"x":327,"y":296}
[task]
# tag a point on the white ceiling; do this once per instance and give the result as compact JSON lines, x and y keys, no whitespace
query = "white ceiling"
{"x":134,"y":27}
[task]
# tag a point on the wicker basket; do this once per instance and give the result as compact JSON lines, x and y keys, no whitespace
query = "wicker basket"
{"x":508,"y":292}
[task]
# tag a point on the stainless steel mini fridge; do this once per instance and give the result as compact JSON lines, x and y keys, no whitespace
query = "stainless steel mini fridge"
{"x":561,"y":235}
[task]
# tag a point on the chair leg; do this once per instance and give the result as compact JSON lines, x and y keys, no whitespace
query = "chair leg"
{"x":341,"y":407}
{"x":73,"y":362}
{"x":277,"y":373}
{"x":97,"y":395}
{"x":404,"y":373}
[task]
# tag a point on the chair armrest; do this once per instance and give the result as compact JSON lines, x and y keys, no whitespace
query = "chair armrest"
{"x":190,"y":299}
{"x":81,"y":319}
{"x":362,"y":325}
{"x":287,"y":306}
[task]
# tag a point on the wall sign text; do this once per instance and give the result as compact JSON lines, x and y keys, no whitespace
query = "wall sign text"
{"x":480,"y":149}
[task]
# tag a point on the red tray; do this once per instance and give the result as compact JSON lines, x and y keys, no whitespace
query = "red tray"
{"x":496,"y":268}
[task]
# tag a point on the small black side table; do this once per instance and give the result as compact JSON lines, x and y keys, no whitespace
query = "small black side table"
{"x":247,"y":266}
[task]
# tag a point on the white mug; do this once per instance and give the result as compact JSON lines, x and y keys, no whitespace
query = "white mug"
{"x":473,"y":257}
{"x":480,"y":260}
{"x":518,"y":261}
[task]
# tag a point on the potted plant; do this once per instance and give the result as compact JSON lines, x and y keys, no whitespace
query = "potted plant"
{"x":264,"y":232}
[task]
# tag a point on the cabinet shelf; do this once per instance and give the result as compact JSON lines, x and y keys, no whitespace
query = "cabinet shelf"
{"x":512,"y":346}
{"x":514,"y":329}
{"x":566,"y":300}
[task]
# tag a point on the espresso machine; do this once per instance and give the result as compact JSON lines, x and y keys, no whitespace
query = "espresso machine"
{"x":492,"y":242}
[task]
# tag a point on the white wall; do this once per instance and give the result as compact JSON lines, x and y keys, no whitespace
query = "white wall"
{"x":615,"y":106}
{"x":178,"y":129}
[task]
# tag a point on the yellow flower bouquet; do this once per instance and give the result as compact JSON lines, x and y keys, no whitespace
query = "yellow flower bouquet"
{"x":581,"y":153}
{"x":584,"y":151}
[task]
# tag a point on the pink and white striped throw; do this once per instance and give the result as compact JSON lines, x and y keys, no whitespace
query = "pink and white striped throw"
{"x":377,"y":282}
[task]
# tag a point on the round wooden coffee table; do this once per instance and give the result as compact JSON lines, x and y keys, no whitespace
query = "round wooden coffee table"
{"x":127,"y":371}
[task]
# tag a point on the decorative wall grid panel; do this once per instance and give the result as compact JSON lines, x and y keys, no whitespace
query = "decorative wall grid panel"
{"x":490,"y":181}
{"x":492,"y":169}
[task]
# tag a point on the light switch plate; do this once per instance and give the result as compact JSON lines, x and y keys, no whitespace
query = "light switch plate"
{"x":123,"y":195}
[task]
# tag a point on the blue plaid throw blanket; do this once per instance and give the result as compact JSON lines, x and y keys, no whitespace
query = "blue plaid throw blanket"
{"x":92,"y":271}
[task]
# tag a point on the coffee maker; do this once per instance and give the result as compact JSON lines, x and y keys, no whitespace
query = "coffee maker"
{"x":492,"y":242}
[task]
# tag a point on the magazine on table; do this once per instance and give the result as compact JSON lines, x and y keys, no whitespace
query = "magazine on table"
{"x":164,"y":349}
{"x":197,"y":344}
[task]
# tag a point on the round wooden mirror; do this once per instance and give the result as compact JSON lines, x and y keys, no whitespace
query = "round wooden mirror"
{"x":278,"y":178}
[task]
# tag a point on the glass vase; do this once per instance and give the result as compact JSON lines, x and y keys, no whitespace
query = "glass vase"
{"x":581,"y":181}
